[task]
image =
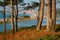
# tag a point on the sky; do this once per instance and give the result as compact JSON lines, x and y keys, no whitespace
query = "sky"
{"x":28,"y":1}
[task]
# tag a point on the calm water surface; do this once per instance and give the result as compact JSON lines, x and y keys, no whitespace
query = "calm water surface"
{"x":26,"y":23}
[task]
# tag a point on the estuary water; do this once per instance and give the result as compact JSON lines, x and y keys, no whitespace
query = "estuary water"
{"x":21,"y":24}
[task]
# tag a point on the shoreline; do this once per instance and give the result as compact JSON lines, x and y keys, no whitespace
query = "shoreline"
{"x":31,"y":27}
{"x":19,"y":19}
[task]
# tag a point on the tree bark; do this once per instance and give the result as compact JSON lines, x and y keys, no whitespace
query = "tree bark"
{"x":48,"y":15}
{"x":54,"y":13}
{"x":40,"y":14}
{"x":16,"y":15}
{"x":51,"y":16}
{"x":4,"y":19}
{"x":12,"y":19}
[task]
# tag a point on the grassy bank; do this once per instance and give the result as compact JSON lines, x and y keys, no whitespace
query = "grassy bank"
{"x":30,"y":33}
{"x":33,"y":27}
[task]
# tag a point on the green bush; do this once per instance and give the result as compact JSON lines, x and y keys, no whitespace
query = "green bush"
{"x":49,"y":37}
{"x":58,"y":28}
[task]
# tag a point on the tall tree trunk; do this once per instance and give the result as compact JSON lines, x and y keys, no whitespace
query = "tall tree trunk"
{"x":16,"y":15}
{"x":51,"y":15}
{"x":12,"y":19}
{"x":48,"y":15}
{"x":40,"y":14}
{"x":54,"y":13}
{"x":4,"y":19}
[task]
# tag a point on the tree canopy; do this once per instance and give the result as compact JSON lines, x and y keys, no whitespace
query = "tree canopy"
{"x":32,"y":6}
{"x":8,"y":2}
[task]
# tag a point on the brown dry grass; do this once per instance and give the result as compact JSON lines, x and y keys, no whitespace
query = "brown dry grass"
{"x":27,"y":35}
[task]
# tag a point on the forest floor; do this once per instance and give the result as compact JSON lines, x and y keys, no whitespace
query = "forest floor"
{"x":31,"y":34}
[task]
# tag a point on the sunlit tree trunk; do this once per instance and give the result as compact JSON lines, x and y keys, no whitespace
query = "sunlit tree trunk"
{"x":54,"y":13}
{"x":16,"y":15}
{"x":12,"y":19}
{"x":40,"y":14}
{"x":4,"y":19}
{"x":48,"y":15}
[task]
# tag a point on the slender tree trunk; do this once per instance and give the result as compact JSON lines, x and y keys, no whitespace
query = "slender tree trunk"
{"x":4,"y":36}
{"x":48,"y":15}
{"x":51,"y":15}
{"x":54,"y":13}
{"x":4,"y":19}
{"x":40,"y":14}
{"x":12,"y":19}
{"x":16,"y":15}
